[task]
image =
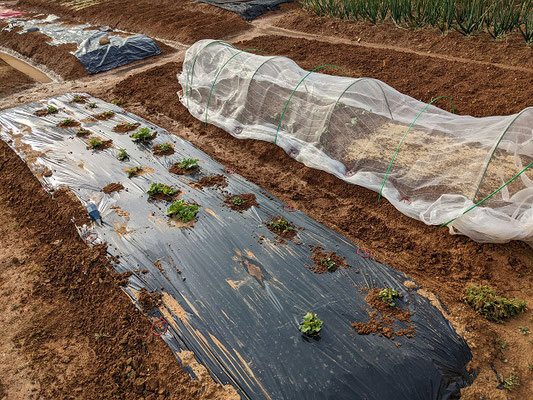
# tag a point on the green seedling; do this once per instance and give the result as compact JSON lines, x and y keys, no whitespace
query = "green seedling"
{"x":109,"y":113}
{"x":524,"y":330}
{"x":77,"y":99}
{"x":143,"y":135}
{"x":160,"y":188}
{"x":237,"y":201}
{"x":511,"y":383}
{"x":388,"y":295}
{"x":134,"y":171}
{"x":281,"y":225}
{"x":82,"y":132}
{"x":328,"y":262}
{"x":92,"y":105}
{"x":492,"y":306}
{"x":311,"y":325}
{"x":163,"y":147}
{"x":188,"y":164}
{"x":95,"y":144}
{"x":183,"y":211}
{"x":501,"y":345}
{"x":67,"y":122}
{"x":353,"y":121}
{"x":123,"y":155}
{"x":51,"y":110}
{"x":118,"y":101}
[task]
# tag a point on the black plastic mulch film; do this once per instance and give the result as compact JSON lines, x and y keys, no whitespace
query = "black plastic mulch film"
{"x":248,"y":9}
{"x":241,"y":294}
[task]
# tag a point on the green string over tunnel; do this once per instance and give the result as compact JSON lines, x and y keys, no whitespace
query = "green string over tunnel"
{"x":405,"y":135}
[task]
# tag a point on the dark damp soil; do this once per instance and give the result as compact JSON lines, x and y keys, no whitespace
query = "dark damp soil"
{"x":104,"y":116}
{"x":106,"y":144}
{"x":83,"y":133}
{"x":164,"y":197}
{"x":148,"y":301}
{"x":112,"y":187}
{"x":158,"y":152}
{"x":125,"y":127}
{"x":285,"y":234}
{"x":218,"y":181}
{"x":44,"y":112}
{"x":69,"y":124}
{"x":382,"y":318}
{"x":248,"y":200}
{"x":320,"y":258}
{"x":175,"y":169}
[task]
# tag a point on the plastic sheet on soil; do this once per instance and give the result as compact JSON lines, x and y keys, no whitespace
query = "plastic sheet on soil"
{"x":95,"y":57}
{"x":432,"y":165}
{"x":232,"y":292}
{"x":248,"y":9}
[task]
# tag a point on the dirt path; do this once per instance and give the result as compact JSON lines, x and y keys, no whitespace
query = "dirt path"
{"x":491,"y":81}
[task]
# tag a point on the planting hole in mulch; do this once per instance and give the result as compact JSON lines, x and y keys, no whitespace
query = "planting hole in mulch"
{"x":184,"y":167}
{"x":326,"y":262}
{"x":125,"y":127}
{"x":98,"y":143}
{"x":69,"y":123}
{"x":382,"y":318}
{"x":104,"y":116}
{"x":79,"y":99}
{"x":281,"y":227}
{"x":163,"y":149}
{"x":241,"y":202}
{"x":217,"y":181}
{"x":112,"y":187}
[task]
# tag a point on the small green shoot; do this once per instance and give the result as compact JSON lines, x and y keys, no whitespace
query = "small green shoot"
{"x":492,"y":306}
{"x":123,"y":155}
{"x":51,"y":110}
{"x":67,"y":122}
{"x":311,"y":324}
{"x":118,"y":102}
{"x":281,"y":225}
{"x":92,"y":105}
{"x":353,"y":121}
{"x":134,"y":171}
{"x":109,"y":113}
{"x":188,"y":164}
{"x":501,"y":345}
{"x":511,"y":383}
{"x":524,"y":330}
{"x":163,"y":147}
{"x":388,"y":295}
{"x":82,"y":132}
{"x":95,"y":144}
{"x":143,"y":135}
{"x":183,"y":211}
{"x":328,"y":262}
{"x":237,"y":201}
{"x":78,"y":99}
{"x":160,"y":188}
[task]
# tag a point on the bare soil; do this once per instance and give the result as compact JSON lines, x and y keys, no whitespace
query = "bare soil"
{"x":484,"y":77}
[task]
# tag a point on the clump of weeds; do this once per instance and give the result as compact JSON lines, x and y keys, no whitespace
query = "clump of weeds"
{"x":389,"y":296}
{"x":492,"y":306}
{"x":135,"y":171}
{"x":123,"y":155}
{"x":311,"y":324}
{"x":143,"y":135}
{"x":511,"y":383}
{"x":182,"y":210}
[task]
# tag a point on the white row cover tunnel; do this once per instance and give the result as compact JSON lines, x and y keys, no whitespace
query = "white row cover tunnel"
{"x":471,"y":174}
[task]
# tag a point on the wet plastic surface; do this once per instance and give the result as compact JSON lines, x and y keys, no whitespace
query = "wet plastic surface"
{"x":250,"y":9}
{"x":231,"y":292}
{"x":94,"y":56}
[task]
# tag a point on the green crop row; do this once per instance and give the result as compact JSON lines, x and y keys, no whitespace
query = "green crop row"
{"x":497,"y":17}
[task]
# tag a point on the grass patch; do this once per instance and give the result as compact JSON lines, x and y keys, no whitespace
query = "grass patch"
{"x":492,"y":306}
